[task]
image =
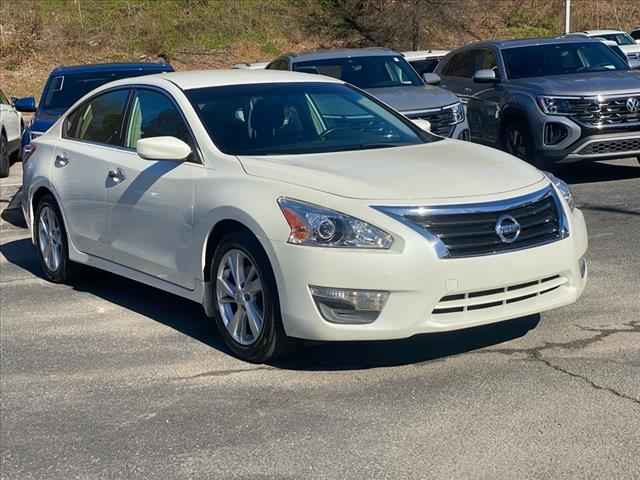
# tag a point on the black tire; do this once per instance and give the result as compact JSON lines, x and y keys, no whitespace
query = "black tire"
{"x":516,"y":139}
{"x":62,"y":273}
{"x":5,"y":161}
{"x":272,"y":341}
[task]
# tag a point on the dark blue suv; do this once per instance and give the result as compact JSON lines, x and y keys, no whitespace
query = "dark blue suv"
{"x":67,"y":84}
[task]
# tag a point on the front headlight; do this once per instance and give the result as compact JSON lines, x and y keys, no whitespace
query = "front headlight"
{"x":320,"y":227}
{"x":563,"y":189}
{"x":565,"y":105}
{"x":458,"y":113}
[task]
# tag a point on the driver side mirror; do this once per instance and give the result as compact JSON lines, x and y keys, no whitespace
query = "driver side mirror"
{"x":431,"y":78}
{"x":638,"y":41}
{"x":634,"y":64}
{"x":485,"y":76}
{"x":422,"y":124}
{"x":25,"y":104}
{"x":162,"y":148}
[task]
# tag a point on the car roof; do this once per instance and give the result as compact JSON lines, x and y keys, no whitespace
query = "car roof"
{"x":341,"y":53}
{"x":602,"y":32}
{"x":112,"y":67}
{"x":187,"y":80}
{"x":424,"y":54}
{"x":529,"y":42}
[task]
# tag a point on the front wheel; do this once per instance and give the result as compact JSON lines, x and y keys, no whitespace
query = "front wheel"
{"x":51,"y":240}
{"x":517,"y":140}
{"x":247,"y":308}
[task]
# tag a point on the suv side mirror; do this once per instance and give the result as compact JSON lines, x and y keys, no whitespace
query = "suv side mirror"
{"x":485,"y":76}
{"x":638,"y":41}
{"x":25,"y":104}
{"x":634,"y":64}
{"x":431,"y":78}
{"x":422,"y":124}
{"x":162,"y":148}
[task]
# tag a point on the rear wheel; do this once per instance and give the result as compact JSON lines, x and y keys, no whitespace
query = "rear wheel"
{"x":247,"y":309}
{"x":51,"y":240}
{"x":5,"y":161}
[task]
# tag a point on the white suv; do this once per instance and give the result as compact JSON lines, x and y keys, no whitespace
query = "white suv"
{"x":296,"y":206}
{"x":11,"y":125}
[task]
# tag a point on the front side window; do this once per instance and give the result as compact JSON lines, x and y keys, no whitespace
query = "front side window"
{"x":484,"y":59}
{"x":299,"y":118}
{"x":560,"y":59}
{"x":365,"y":72}
{"x":461,"y":65}
{"x":153,"y":114}
{"x":99,"y":120}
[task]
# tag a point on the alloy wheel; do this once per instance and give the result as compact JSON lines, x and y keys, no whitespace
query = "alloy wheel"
{"x":50,"y":238}
{"x":240,"y":297}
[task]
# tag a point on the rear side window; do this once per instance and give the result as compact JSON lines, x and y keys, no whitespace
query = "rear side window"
{"x":153,"y":114}
{"x":99,"y":120}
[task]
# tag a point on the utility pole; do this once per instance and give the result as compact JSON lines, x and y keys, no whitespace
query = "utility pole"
{"x":567,"y":16}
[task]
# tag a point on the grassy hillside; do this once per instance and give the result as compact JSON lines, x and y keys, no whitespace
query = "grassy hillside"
{"x":39,"y":34}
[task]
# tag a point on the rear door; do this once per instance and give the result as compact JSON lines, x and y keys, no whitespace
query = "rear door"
{"x":92,"y":136}
{"x":151,"y":202}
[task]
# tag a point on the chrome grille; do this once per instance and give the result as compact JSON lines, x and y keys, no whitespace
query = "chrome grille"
{"x":604,"y":111}
{"x":441,"y":120}
{"x":471,"y":230}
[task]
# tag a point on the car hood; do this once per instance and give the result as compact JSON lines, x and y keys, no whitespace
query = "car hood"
{"x":45,"y":119}
{"x":583,"y":84}
{"x":442,"y":169}
{"x":408,"y":98}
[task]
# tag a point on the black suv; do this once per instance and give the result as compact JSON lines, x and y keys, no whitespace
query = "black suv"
{"x":548,"y":101}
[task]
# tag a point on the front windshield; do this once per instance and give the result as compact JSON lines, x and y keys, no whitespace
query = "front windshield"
{"x":619,"y":38}
{"x":365,"y":72}
{"x":299,"y":118}
{"x":560,"y":59}
{"x":64,"y":90}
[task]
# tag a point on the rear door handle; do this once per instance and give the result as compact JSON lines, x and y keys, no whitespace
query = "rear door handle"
{"x":116,"y":175}
{"x":61,"y":161}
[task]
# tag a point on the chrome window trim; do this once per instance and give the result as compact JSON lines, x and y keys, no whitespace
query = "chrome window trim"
{"x":399,"y":213}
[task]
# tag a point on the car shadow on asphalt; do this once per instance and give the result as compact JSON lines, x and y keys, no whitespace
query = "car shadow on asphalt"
{"x":589,"y":172}
{"x":189,"y":319}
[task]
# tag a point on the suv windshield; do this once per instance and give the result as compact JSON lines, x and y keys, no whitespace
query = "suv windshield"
{"x":299,"y":118}
{"x":63,"y":91}
{"x":560,"y":59}
{"x":619,"y":38}
{"x":365,"y":72}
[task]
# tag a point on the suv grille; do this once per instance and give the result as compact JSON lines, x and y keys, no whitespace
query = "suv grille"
{"x":611,"y":146}
{"x":605,"y":111}
{"x":442,"y":120}
{"x":472,"y":230}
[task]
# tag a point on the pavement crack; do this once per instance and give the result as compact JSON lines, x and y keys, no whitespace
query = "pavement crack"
{"x":225,"y":373}
{"x":585,"y":379}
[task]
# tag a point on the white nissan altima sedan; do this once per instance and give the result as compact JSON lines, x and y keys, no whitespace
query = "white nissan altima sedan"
{"x":297,"y":206}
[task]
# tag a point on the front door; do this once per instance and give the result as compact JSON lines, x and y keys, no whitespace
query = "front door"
{"x":151,"y":202}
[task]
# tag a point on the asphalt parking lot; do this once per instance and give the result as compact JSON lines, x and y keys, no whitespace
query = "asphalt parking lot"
{"x":112,"y":379}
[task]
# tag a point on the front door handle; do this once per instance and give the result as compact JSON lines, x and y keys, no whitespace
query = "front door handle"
{"x":116,"y":175}
{"x":61,"y":161}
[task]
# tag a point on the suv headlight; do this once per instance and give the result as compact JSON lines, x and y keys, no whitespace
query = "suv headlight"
{"x":563,"y":189}
{"x":321,"y":227}
{"x":458,"y":113}
{"x":560,"y":105}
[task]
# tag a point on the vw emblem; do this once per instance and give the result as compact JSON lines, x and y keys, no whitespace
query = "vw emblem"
{"x":507,"y":228}
{"x":633,"y":104}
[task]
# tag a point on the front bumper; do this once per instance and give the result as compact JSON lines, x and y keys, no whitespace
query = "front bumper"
{"x":418,"y":281}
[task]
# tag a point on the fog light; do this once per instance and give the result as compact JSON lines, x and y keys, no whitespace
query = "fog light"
{"x":339,"y":305}
{"x":583,"y":266}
